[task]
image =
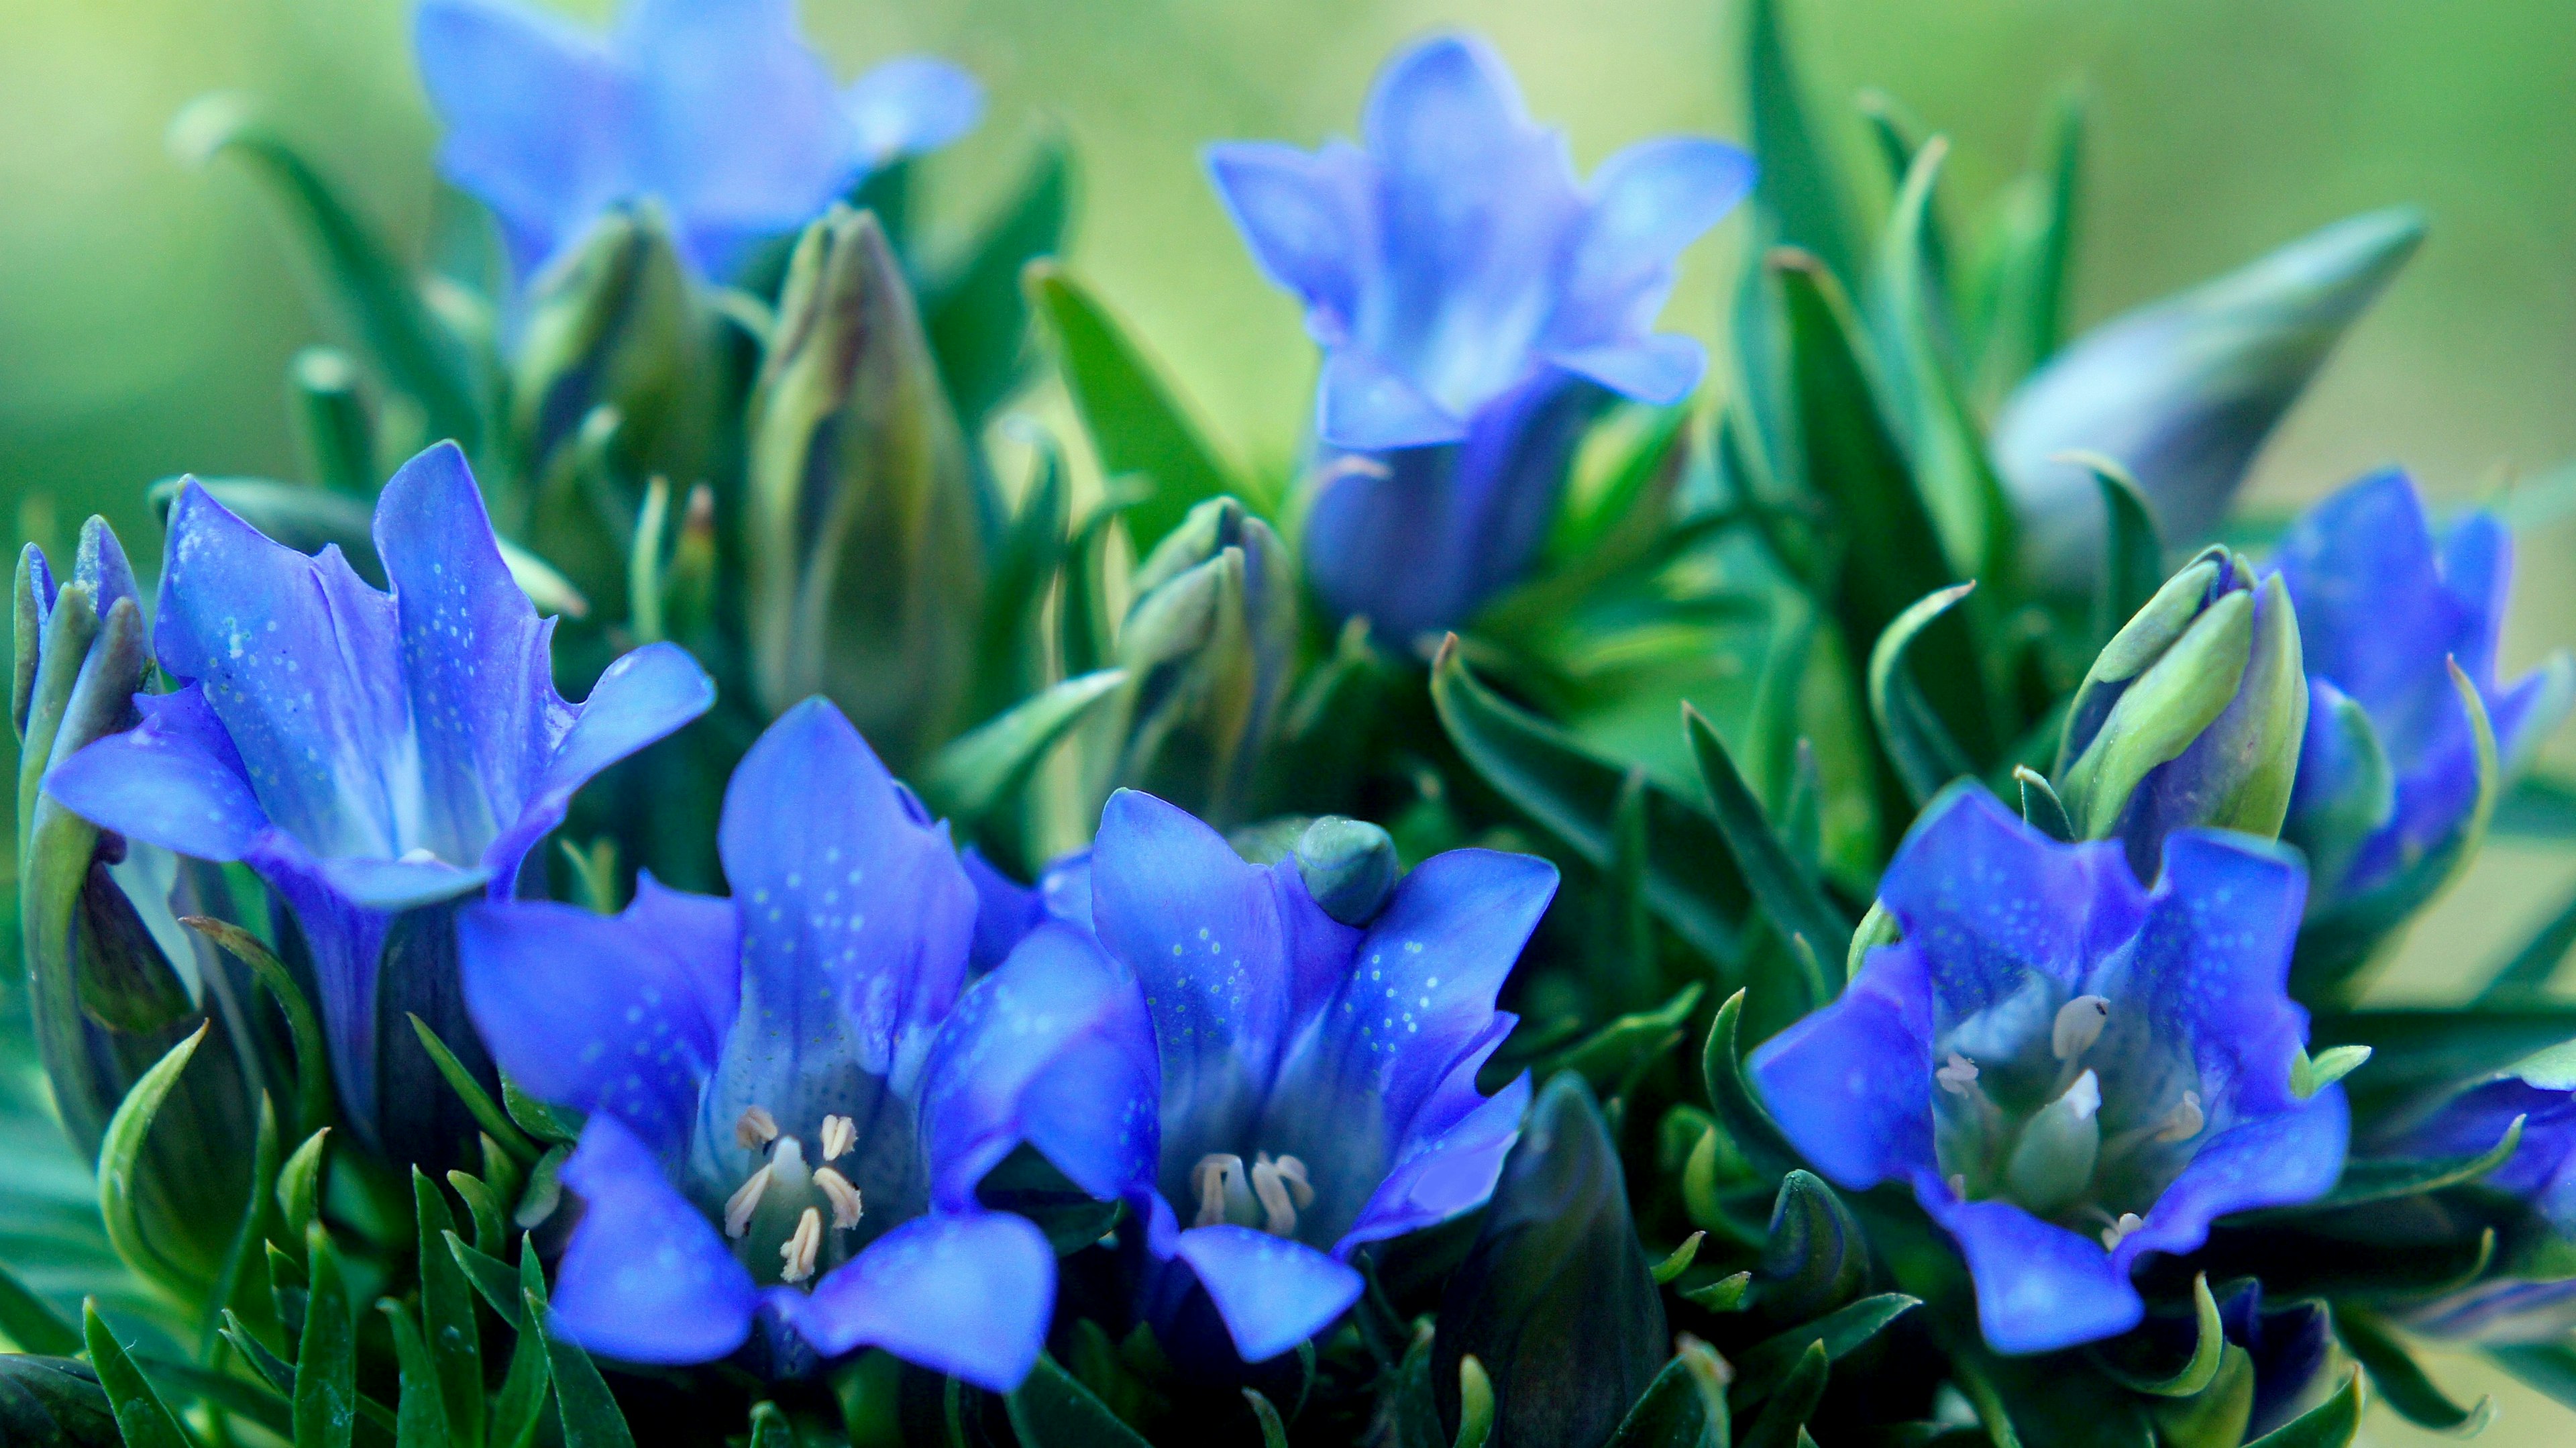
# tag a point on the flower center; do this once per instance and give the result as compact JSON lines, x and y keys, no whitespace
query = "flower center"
{"x":776,"y":1217}
{"x":1269,"y":1195}
{"x":2053,"y":1161}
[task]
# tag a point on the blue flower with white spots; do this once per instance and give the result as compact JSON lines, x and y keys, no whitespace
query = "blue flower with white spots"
{"x":716,"y":108}
{"x":1268,"y":1088}
{"x":770,"y":1082}
{"x":374,"y":756}
{"x":1476,"y":304}
{"x":2070,"y":1071}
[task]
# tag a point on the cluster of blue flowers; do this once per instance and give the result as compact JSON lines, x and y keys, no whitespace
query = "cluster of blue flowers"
{"x":1201,"y":1103}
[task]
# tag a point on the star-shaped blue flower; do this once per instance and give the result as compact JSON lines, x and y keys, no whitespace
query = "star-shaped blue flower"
{"x":757,"y":1071}
{"x":1267,"y":1088}
{"x":368,"y":753}
{"x":2068,"y":1070}
{"x":1472,"y":298}
{"x":2384,"y":606}
{"x":716,"y":108}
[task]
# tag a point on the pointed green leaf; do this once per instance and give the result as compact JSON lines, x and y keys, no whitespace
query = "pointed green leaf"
{"x":2549,"y":1367}
{"x":1800,"y":186}
{"x":2416,"y":1053}
{"x":590,"y":1415}
{"x":1814,"y":1259}
{"x":2028,"y":260}
{"x":1793,"y":900}
{"x":1620,"y":1051}
{"x":2040,"y":806}
{"x":1135,"y":423}
{"x":1726,"y":1294}
{"x":1747,"y":1126}
{"x":451,"y":1335}
{"x":975,"y":311}
{"x":534,"y":1117}
{"x":141,"y":1417}
{"x":2209,"y":1343}
{"x":1680,"y":1259}
{"x":1783,"y":1419}
{"x":2400,"y":1379}
{"x":304,"y":1028}
{"x":1920,"y":747}
{"x":519,"y":1411}
{"x":2312,"y":1074}
{"x":2333,"y":1423}
{"x":120,"y":1158}
{"x":770,"y":1428}
{"x":326,"y":1360}
{"x":421,"y":1419}
{"x":494,"y":1121}
{"x":1274,"y":1433}
{"x":984,"y":768}
{"x":1838,"y":1332}
{"x":2523,"y":977}
{"x":30,"y":1324}
{"x":1051,"y":1410}
{"x":492,"y":1278}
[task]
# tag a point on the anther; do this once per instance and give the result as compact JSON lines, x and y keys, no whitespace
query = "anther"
{"x":1218,"y":1179}
{"x":1278,"y":1215}
{"x":844,"y":1197}
{"x":2186,"y":1120}
{"x":1300,"y":1190}
{"x":744,"y":1201}
{"x":2113,"y":1234}
{"x":840,"y":1133}
{"x":2079,"y":1025}
{"x":802,"y":1247}
{"x":754,"y":1129}
{"x":1959,"y":1077}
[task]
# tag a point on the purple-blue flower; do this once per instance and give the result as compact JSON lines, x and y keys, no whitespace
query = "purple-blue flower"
{"x":2388,"y":771}
{"x":2069,"y":1070}
{"x":758,"y":1073}
{"x":1267,"y":1088}
{"x":2541,"y":1173}
{"x":716,"y":108}
{"x":372,"y":755}
{"x":1473,"y":300}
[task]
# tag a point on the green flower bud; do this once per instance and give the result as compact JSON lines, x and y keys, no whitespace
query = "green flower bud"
{"x":866,"y":548}
{"x":2191,"y":716}
{"x":1348,"y":866}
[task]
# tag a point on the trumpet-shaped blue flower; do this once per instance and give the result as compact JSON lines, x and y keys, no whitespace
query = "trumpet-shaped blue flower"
{"x":371,"y":754}
{"x":758,"y":1073}
{"x":1268,"y":1088}
{"x":2541,"y":1172}
{"x":2069,"y":1071}
{"x":718,"y":108}
{"x":1473,"y":300}
{"x":2388,"y":774}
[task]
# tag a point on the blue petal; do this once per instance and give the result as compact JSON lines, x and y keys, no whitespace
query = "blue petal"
{"x":1658,"y":371}
{"x":2374,"y":614}
{"x":1307,"y":219}
{"x":1449,"y":1167}
{"x":174,"y":780}
{"x":2290,"y":1156}
{"x":1055,"y":1049}
{"x":2212,"y":963}
{"x":1851,"y":1085}
{"x":1648,"y":202}
{"x":100,"y":562}
{"x":1005,"y":911}
{"x":968,"y":1295}
{"x":1364,"y":404}
{"x":641,"y":697}
{"x":2040,"y":1288}
{"x":909,"y":105}
{"x":393,"y":885}
{"x":1273,"y":1293}
{"x":302,"y":663}
{"x":600,"y":1013}
{"x":541,"y":123}
{"x":1988,"y":900}
{"x":645,"y":1278}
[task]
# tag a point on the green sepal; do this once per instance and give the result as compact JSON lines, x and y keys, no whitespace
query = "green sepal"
{"x":1814,"y":1259}
{"x":2333,"y":1423}
{"x":313,"y":1099}
{"x":142,"y":1418}
{"x":2401,"y":1381}
{"x":299,"y":1184}
{"x":2209,"y":1342}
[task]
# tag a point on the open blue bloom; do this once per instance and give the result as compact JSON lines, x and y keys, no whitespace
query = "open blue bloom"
{"x":372,"y":755}
{"x":2388,"y":773}
{"x":2069,"y":1071}
{"x":756,"y":1072}
{"x":1269,"y":1089}
{"x":717,"y":108}
{"x":1473,"y":298}
{"x":2541,"y":1172}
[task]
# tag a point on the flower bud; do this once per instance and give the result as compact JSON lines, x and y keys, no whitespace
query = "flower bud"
{"x":866,"y":549}
{"x":2183,"y":392}
{"x":1206,"y":646}
{"x":2192,"y":715}
{"x":1349,"y":867}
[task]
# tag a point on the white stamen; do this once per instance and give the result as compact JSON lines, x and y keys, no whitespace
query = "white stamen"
{"x":1300,"y":1190}
{"x":754,"y":1129}
{"x":744,"y":1201}
{"x":1217,"y":1178}
{"x":1959,"y":1077}
{"x":840,"y":1133}
{"x":1959,"y":1185}
{"x":802,"y":1247}
{"x":2113,"y":1234}
{"x":417,"y":855}
{"x":1278,"y":1217}
{"x":2079,"y":1025}
{"x":2186,"y":1120}
{"x":2084,"y":1097}
{"x":846,"y":1209}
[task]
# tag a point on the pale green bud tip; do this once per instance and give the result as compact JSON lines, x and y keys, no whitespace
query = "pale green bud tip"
{"x":1348,"y":866}
{"x":207,"y":124}
{"x":2054,"y":1162}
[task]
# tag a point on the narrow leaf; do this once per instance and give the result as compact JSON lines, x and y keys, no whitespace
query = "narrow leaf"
{"x":494,"y":1121}
{"x":420,"y":1421}
{"x":1679,"y":1261}
{"x":2209,"y":1347}
{"x":2333,"y":1423}
{"x":590,"y":1415}
{"x":120,"y":1157}
{"x":30,"y":1324}
{"x":326,"y":1360}
{"x":2522,"y":979}
{"x":1795,"y":903}
{"x":1134,"y":421}
{"x":1799,"y":185}
{"x":2399,"y":1378}
{"x":1746,"y":1124}
{"x":979,"y":771}
{"x":1838,"y":1332}
{"x":1782,"y":1422}
{"x":1052,"y":1410}
{"x":451,"y":1335}
{"x":976,"y":313}
{"x":299,"y":1183}
{"x":1274,"y":1434}
{"x":141,"y":1417}
{"x":1919,"y":746}
{"x":492,"y":1278}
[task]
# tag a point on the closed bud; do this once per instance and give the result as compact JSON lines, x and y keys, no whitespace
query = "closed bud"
{"x":866,"y":529}
{"x":1348,"y":866}
{"x":2192,"y":715}
{"x":1206,"y":645}
{"x":2183,"y":392}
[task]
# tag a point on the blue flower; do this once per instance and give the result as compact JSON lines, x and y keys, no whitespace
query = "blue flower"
{"x":1473,"y":298}
{"x":372,"y":755}
{"x":2287,"y":1346}
{"x":1268,"y":1089}
{"x":718,"y":108}
{"x":2541,"y":1173}
{"x":2068,"y":1070}
{"x":2388,"y":771}
{"x":756,"y":1072}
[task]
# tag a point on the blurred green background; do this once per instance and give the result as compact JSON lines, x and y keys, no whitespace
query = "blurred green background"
{"x":147,"y":312}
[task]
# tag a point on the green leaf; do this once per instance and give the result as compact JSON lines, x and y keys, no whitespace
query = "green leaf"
{"x":494,"y":1121}
{"x":770,"y":1428}
{"x":273,"y":1370}
{"x":1010,"y":640}
{"x":1135,"y":424}
{"x":2522,"y":979}
{"x":1745,"y":1123}
{"x":120,"y":1160}
{"x":1793,"y":900}
{"x":1475,"y":1404}
{"x":2400,"y":1380}
{"x":299,"y":1183}
{"x":326,"y":1360}
{"x":1617,"y":1053}
{"x":519,"y":1411}
{"x":141,"y":1417}
{"x":2209,"y":1343}
{"x":985,"y":768}
{"x":1726,"y":1294}
{"x":30,"y":1324}
{"x":2549,"y":1367}
{"x":2417,"y":1053}
{"x":1274,"y":1433}
{"x":533,"y":1116}
{"x":304,"y":1028}
{"x":421,"y":1419}
{"x":373,"y":290}
{"x":1799,"y":186}
{"x":2133,"y":559}
{"x":53,"y":1402}
{"x":1814,"y":1258}
{"x":2216,"y":1416}
{"x":975,"y":310}
{"x":2333,"y":1423}
{"x":452,"y":1337}
{"x":1684,"y":1407}
{"x":492,"y":1278}
{"x":1573,"y":793}
{"x":1782,"y":1422}
{"x":1839,"y":1332}
{"x":2312,"y":1074}
{"x":2040,"y":807}
{"x":590,"y":1415}
{"x":2025,"y":282}
{"x":1052,"y":1410}
{"x":491,"y":1232}
{"x":1920,"y":747}
{"x":332,"y":422}
{"x":1679,"y":1261}
{"x":2538,"y":808}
